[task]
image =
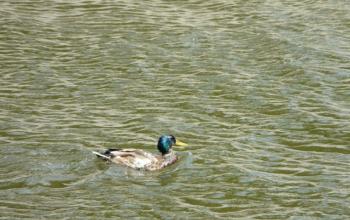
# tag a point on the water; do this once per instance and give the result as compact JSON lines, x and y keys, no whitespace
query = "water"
{"x":260,"y":90}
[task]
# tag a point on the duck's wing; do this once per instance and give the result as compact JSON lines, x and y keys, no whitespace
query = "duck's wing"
{"x":135,"y":158}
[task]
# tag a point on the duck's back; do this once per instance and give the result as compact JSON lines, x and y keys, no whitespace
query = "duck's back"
{"x":138,"y":159}
{"x":134,"y":158}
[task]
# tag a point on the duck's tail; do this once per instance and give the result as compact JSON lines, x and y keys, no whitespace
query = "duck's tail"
{"x":107,"y":155}
{"x":102,"y":155}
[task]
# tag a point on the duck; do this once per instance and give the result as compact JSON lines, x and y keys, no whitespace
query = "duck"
{"x":143,"y":160}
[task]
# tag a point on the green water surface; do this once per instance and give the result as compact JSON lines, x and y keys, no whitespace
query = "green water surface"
{"x":260,"y":90}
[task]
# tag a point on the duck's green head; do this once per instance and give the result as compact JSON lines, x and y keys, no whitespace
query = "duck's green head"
{"x":166,"y":142}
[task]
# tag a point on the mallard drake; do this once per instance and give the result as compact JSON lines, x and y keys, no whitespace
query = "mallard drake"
{"x":140,"y":159}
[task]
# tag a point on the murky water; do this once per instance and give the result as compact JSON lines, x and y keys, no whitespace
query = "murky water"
{"x":259,"y":89}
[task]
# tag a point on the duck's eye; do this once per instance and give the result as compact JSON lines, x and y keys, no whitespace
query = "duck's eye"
{"x":172,"y":138}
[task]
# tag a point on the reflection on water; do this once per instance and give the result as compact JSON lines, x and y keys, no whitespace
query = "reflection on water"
{"x":260,"y":90}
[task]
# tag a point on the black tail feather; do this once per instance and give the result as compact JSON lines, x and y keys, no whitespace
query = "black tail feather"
{"x":107,"y":155}
{"x":109,"y":151}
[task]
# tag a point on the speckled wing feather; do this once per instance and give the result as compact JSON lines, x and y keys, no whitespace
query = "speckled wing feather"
{"x":138,"y":159}
{"x":134,"y":158}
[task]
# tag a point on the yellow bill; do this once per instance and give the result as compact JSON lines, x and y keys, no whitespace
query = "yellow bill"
{"x":180,"y":144}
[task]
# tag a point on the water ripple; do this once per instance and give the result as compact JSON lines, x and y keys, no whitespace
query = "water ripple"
{"x":260,"y":91}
